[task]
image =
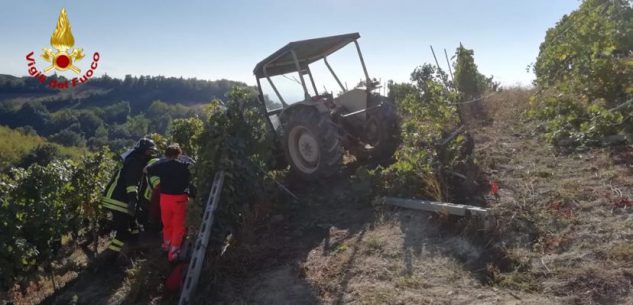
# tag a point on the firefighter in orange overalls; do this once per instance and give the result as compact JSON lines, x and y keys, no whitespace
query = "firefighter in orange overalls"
{"x":175,"y":181}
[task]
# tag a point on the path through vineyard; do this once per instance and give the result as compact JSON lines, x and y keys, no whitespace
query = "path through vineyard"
{"x":112,"y":284}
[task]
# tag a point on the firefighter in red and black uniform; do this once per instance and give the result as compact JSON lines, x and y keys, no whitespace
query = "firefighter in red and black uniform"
{"x":121,"y":194}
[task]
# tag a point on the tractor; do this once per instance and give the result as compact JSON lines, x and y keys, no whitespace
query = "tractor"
{"x":312,"y":134}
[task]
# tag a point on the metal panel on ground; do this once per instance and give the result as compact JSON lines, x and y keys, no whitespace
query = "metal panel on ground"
{"x":439,"y":207}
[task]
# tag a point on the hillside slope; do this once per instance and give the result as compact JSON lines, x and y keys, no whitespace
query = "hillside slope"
{"x":562,"y":235}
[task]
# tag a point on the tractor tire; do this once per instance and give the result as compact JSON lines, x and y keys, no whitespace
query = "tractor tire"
{"x":381,"y":134}
{"x":312,"y":144}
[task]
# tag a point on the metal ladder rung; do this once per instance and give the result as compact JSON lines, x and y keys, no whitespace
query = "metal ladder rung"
{"x":197,"y":257}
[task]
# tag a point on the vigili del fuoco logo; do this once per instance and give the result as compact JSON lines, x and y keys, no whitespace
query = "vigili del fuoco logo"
{"x":62,"y":58}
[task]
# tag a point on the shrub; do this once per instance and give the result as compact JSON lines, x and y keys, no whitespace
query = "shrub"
{"x":570,"y":121}
{"x":585,"y":70}
{"x":185,"y":132}
{"x":423,"y":166}
{"x":68,"y":137}
{"x":41,"y":204}
{"x":234,"y":139}
{"x":42,"y":154}
{"x":589,"y":52}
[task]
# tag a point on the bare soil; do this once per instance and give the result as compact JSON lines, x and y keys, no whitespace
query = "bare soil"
{"x":82,"y":280}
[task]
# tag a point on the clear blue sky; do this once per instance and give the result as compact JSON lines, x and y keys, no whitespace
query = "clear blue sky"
{"x":225,"y":39}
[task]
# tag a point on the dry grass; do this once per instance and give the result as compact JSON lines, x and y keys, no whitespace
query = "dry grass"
{"x":622,"y":252}
{"x":596,"y":286}
{"x":561,"y":212}
{"x":508,"y":105}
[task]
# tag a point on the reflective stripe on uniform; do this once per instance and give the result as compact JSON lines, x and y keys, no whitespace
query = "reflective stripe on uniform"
{"x":148,"y":194}
{"x":115,"y":245}
{"x":154,"y":180}
{"x":132,"y":189}
{"x":114,"y":248}
{"x":114,"y":202}
{"x":113,"y":185}
{"x":114,"y":207}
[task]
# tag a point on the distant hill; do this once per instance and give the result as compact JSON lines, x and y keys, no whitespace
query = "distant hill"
{"x":140,"y":92}
{"x":105,"y":110}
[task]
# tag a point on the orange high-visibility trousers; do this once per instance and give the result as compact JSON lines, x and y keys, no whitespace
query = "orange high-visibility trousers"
{"x":173,"y":212}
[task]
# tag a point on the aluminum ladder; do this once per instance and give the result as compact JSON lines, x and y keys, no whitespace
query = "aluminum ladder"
{"x":200,"y":247}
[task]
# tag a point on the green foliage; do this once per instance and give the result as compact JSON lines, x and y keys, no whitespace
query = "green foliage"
{"x":589,"y":52}
{"x":33,"y":114}
{"x":100,"y":138}
{"x":399,"y":91}
{"x":49,"y":198}
{"x":15,"y":144}
{"x":41,"y":155}
{"x":129,"y":108}
{"x":86,"y":186}
{"x":422,"y":166}
{"x":22,"y":148}
{"x":89,"y":123}
{"x":41,"y":204}
{"x":161,"y":115}
{"x":68,"y":137}
{"x":572,"y":121}
{"x":61,"y":119}
{"x":116,"y":113}
{"x":430,"y":84}
{"x":586,"y":66}
{"x":138,"y":126}
{"x":236,"y":139}
{"x":468,"y":80}
{"x":140,"y":91}
{"x":33,"y":208}
{"x":185,"y":132}
{"x":160,"y":140}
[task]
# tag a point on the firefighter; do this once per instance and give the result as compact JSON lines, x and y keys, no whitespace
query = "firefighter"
{"x":121,"y":194}
{"x":175,"y":181}
{"x":148,"y":210}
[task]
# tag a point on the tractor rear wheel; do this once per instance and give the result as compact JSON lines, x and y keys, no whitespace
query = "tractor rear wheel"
{"x":312,"y":144}
{"x":381,"y":132}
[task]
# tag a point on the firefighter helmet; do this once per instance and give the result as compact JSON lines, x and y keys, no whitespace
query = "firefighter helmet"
{"x":145,"y":144}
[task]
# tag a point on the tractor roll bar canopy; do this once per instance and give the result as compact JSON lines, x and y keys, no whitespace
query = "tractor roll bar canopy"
{"x":306,"y":52}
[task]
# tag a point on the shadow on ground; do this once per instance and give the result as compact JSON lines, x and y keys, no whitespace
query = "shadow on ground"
{"x":267,"y":266}
{"x":105,"y":283}
{"x":314,"y":250}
